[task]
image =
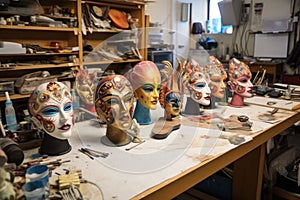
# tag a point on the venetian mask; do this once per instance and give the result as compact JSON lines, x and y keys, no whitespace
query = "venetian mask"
{"x":170,"y":94}
{"x":240,"y":78}
{"x":145,"y":79}
{"x":50,"y":105}
{"x":217,"y":76}
{"x":196,"y":82}
{"x":114,"y":101}
{"x":85,"y":86}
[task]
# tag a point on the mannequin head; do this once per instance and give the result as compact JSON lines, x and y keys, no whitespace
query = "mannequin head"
{"x":114,"y":101}
{"x":114,"y":104}
{"x":240,"y":78}
{"x":85,"y":87}
{"x":145,"y":80}
{"x":196,"y":82}
{"x":239,"y":82}
{"x":170,"y":94}
{"x":217,"y":76}
{"x":50,"y":105}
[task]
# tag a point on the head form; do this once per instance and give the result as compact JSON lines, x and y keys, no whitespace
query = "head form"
{"x":240,"y":78}
{"x":145,"y":79}
{"x":170,"y":94}
{"x":196,"y":82}
{"x":85,"y":86}
{"x":114,"y":101}
{"x":50,"y":105}
{"x":217,"y":75}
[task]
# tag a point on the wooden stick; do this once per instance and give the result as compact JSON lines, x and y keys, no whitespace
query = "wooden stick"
{"x":2,"y":129}
{"x":135,"y":145}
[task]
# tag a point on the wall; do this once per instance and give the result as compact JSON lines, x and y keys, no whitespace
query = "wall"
{"x":167,"y":13}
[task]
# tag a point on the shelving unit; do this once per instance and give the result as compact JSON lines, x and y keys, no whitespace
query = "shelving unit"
{"x":98,"y":37}
{"x":68,"y":31}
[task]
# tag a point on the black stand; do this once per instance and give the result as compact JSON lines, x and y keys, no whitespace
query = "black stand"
{"x":53,"y":146}
{"x":192,"y":107}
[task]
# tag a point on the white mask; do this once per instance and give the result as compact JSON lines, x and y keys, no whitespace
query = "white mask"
{"x":51,"y":108}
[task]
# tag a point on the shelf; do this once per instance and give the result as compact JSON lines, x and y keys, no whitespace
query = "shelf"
{"x":38,"y":28}
{"x":41,"y":35}
{"x":105,"y":62}
{"x":46,"y":66}
{"x":120,"y":4}
{"x":60,"y":17}
{"x":91,"y":31}
{"x":15,"y":96}
{"x":38,"y":54}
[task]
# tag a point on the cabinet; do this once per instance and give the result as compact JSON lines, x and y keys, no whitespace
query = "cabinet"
{"x":273,"y":70}
{"x":56,"y":42}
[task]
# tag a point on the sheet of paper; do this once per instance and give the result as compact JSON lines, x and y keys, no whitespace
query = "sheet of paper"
{"x":274,"y":103}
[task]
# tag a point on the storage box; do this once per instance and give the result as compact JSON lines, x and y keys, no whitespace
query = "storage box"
{"x":6,"y":87}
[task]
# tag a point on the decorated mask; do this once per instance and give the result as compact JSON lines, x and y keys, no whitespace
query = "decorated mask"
{"x":240,"y":78}
{"x":114,"y":101}
{"x":217,"y":76}
{"x":85,"y":87}
{"x":170,"y":94}
{"x":50,"y":105}
{"x":196,"y":82}
{"x":145,"y":80}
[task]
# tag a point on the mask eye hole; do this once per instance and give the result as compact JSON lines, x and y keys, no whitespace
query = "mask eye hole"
{"x":243,"y":80}
{"x":112,"y":101}
{"x":68,"y":107}
{"x":50,"y":111}
{"x":128,"y":99}
{"x":200,"y":85}
{"x":148,"y":89}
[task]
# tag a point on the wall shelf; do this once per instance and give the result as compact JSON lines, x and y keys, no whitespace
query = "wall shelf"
{"x":37,"y":28}
{"x":68,"y":37}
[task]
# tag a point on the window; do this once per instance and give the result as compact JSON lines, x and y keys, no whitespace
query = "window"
{"x":214,"y":19}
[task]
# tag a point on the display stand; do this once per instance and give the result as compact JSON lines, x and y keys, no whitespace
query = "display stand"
{"x":142,"y":114}
{"x":192,"y":107}
{"x":53,"y":146}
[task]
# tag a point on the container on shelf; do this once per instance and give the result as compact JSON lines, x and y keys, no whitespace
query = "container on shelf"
{"x":6,"y":87}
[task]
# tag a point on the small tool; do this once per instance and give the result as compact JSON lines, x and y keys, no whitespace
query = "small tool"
{"x":127,"y":149}
{"x":98,"y":153}
{"x":87,"y":154}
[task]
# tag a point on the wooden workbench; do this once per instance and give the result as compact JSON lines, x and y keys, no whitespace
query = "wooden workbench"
{"x":162,"y":169}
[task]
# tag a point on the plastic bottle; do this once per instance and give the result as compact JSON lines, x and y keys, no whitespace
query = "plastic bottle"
{"x":76,"y":105}
{"x":10,"y":114}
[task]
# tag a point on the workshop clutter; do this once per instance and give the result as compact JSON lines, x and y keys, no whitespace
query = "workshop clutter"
{"x":104,"y":17}
{"x":37,"y":182}
{"x":27,"y":83}
{"x":13,"y":153}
